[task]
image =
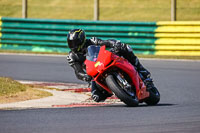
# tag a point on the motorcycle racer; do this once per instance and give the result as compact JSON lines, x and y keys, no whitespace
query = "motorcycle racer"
{"x":78,"y":44}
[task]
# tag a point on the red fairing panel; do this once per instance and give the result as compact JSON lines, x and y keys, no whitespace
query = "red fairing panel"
{"x":104,"y":56}
{"x":90,"y":68}
{"x":129,"y":69}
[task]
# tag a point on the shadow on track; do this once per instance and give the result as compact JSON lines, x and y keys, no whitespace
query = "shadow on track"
{"x":142,"y":105}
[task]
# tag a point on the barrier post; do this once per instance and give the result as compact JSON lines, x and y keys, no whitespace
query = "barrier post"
{"x":173,"y":10}
{"x":96,"y":10}
{"x":24,"y":8}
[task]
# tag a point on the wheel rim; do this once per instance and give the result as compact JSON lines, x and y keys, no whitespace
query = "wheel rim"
{"x":129,"y":90}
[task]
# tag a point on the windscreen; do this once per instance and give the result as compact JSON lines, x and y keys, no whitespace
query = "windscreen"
{"x":92,"y":53}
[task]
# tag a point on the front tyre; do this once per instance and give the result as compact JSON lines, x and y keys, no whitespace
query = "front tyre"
{"x":121,"y":93}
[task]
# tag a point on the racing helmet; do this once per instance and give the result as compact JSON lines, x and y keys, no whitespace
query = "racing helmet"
{"x":76,"y":39}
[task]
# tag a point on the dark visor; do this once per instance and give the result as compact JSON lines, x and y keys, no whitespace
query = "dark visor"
{"x":74,"y":44}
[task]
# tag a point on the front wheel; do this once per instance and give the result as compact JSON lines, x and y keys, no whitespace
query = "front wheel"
{"x":128,"y":98}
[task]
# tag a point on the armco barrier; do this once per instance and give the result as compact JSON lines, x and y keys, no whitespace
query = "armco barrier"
{"x":45,"y":35}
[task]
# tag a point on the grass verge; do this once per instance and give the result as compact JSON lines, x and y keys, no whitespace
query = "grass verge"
{"x":13,"y":91}
{"x":119,"y":10}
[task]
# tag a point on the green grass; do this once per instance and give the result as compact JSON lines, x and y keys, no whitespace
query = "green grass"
{"x":13,"y":91}
{"x":119,"y":10}
{"x":9,"y":86}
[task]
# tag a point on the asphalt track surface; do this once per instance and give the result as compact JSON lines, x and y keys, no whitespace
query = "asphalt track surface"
{"x":177,"y":112}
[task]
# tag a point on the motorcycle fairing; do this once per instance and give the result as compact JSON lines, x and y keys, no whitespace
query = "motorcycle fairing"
{"x":107,"y":60}
{"x":136,"y":80}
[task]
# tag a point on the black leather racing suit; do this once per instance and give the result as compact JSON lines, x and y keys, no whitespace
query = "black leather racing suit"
{"x":76,"y":60}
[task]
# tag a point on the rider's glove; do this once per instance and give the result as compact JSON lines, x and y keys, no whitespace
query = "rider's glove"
{"x":118,"y":47}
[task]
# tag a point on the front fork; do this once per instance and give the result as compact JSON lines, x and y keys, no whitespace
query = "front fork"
{"x":141,"y":93}
{"x":124,"y":84}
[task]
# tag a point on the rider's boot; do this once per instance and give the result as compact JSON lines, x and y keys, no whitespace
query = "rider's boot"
{"x":97,"y":95}
{"x":143,"y":72}
{"x":145,"y":76}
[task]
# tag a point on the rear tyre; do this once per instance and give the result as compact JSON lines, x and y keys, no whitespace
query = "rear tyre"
{"x":154,"y":97}
{"x":121,"y":93}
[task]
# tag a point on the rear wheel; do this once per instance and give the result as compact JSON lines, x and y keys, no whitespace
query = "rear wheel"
{"x":154,"y":97}
{"x":126,"y":95}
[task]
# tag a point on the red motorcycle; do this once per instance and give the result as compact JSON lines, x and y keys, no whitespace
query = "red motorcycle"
{"x":116,"y":75}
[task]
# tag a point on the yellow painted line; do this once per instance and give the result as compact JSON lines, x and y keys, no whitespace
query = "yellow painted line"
{"x":174,"y":29}
{"x":0,"y":35}
{"x":177,"y":35}
{"x":178,"y":41}
{"x":169,"y":47}
{"x":178,"y":53}
{"x":187,"y":23}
